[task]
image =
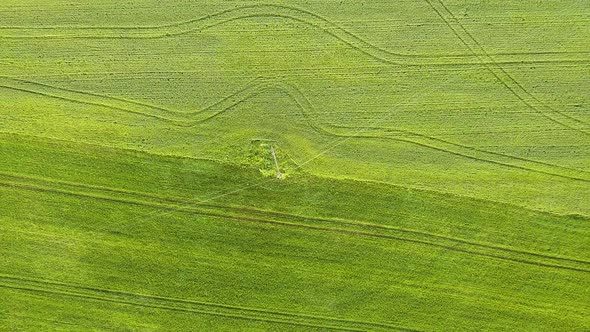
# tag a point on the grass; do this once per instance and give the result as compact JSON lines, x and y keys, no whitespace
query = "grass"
{"x":436,"y":154}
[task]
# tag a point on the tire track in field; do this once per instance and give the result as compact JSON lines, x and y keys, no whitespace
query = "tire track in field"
{"x":306,"y":17}
{"x":183,"y":305}
{"x":149,"y":153}
{"x":343,"y":35}
{"x":352,"y":228}
{"x":52,"y":321}
{"x":189,"y":119}
{"x":71,"y":186}
{"x":502,"y":75}
{"x":452,"y":292}
{"x":444,"y":146}
{"x":260,"y":85}
{"x":470,"y":152}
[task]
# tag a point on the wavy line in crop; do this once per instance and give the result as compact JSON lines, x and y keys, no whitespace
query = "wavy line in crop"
{"x":252,"y":89}
{"x":251,"y":11}
{"x":260,"y":85}
{"x":190,"y":118}
{"x":359,"y":228}
{"x":223,"y":310}
{"x":336,"y":31}
{"x":504,"y":77}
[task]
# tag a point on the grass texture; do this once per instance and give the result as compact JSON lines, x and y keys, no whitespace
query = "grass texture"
{"x":436,"y":161}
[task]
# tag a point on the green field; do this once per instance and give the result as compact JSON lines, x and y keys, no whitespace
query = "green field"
{"x":435,"y":159}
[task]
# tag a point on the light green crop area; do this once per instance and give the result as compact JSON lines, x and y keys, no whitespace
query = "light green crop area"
{"x":435,"y":159}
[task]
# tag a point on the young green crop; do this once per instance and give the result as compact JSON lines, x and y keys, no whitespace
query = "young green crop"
{"x":435,"y":158}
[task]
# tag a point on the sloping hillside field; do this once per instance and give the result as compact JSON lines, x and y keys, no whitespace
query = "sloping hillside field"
{"x":412,"y":165}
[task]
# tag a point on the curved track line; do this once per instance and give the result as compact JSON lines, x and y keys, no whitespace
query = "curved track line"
{"x":358,"y":229}
{"x":445,"y":146}
{"x":260,"y":85}
{"x":249,"y":90}
{"x":504,"y":77}
{"x":181,"y":305}
{"x":470,"y":152}
{"x":336,"y":31}
{"x":253,"y":11}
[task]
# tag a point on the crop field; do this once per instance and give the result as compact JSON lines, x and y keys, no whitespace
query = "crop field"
{"x":225,"y":165}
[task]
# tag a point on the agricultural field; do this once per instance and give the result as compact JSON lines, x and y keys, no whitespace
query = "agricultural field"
{"x":434,"y":162}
